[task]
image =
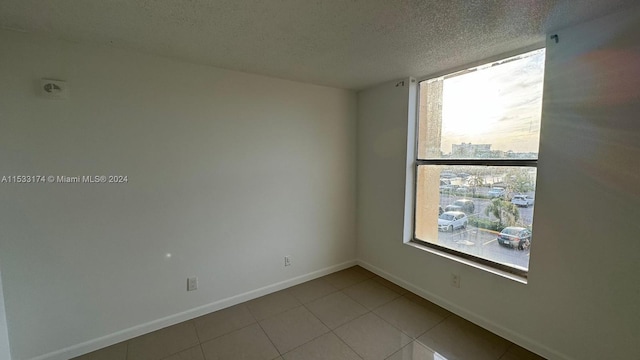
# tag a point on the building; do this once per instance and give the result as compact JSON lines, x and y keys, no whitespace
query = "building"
{"x":228,"y":172}
{"x":470,"y":150}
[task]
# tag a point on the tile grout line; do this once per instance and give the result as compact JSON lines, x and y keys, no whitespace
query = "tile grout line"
{"x":301,"y":345}
{"x":352,"y":349}
{"x":278,"y":313}
{"x":187,"y":348}
{"x":227,"y":333}
{"x":256,"y":321}
{"x":385,"y":303}
{"x":505,"y":352}
{"x":331,"y":330}
{"x":271,"y":341}
{"x":395,"y":352}
{"x":260,"y":325}
{"x":389,"y":287}
{"x":321,"y":335}
{"x":438,"y":323}
{"x":433,"y":327}
{"x":202,"y":351}
{"x":196,"y":327}
{"x":395,"y":327}
{"x":341,"y":325}
{"x":411,"y":337}
{"x":379,"y":317}
{"x":335,"y":289}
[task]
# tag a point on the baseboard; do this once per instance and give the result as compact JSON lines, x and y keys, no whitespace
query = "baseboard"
{"x":483,"y":322}
{"x":126,"y":334}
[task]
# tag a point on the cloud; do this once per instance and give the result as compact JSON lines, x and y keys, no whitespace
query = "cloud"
{"x":499,"y":105}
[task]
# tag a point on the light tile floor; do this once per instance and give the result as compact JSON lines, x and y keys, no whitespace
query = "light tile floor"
{"x":352,"y":314}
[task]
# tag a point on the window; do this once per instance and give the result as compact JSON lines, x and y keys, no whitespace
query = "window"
{"x":477,"y":152}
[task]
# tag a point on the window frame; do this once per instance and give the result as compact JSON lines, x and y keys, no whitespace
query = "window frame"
{"x":414,"y":163}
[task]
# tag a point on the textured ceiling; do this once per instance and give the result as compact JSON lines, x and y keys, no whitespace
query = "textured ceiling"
{"x":342,"y":43}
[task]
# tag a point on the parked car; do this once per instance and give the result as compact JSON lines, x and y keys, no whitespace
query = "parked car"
{"x":522,"y":200}
{"x":448,"y":175}
{"x":446,"y":188}
{"x":496,"y":192}
{"x":465,"y":205}
{"x":451,"y":220}
{"x":514,"y":236}
{"x":463,"y":190}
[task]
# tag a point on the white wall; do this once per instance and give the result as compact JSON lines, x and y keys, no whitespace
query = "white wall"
{"x":5,"y":352}
{"x":582,"y":300}
{"x":228,"y":172}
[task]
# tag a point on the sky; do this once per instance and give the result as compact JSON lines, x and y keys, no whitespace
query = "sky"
{"x":499,"y":105}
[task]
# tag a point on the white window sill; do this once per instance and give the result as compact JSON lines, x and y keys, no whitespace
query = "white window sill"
{"x":505,"y":274}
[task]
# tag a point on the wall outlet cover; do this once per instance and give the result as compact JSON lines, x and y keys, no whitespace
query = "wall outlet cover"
{"x":54,"y":89}
{"x":192,"y":284}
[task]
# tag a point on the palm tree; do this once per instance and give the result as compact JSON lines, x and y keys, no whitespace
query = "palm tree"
{"x":506,"y":213}
{"x":475,"y":181}
{"x":519,"y":181}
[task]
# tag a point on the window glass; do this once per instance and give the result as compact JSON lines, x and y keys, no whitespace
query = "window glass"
{"x":478,"y":139}
{"x":488,"y":112}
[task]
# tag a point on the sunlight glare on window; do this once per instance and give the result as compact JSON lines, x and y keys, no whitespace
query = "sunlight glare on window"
{"x":478,"y":140}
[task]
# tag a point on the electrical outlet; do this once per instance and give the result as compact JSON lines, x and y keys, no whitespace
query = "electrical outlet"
{"x":54,"y":89}
{"x":287,"y":261}
{"x":455,"y":280}
{"x":192,"y":284}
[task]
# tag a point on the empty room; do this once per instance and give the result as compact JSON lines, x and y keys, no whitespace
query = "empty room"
{"x":321,"y":179}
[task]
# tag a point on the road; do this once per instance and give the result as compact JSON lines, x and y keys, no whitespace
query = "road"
{"x":483,"y":243}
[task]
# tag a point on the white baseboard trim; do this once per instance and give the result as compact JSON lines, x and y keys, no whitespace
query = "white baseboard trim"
{"x":126,"y":334}
{"x":474,"y":318}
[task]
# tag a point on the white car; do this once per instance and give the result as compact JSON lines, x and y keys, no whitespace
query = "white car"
{"x":522,"y":200}
{"x":451,"y":220}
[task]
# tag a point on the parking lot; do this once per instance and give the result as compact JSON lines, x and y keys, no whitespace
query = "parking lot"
{"x":483,"y":243}
{"x":526,"y":214}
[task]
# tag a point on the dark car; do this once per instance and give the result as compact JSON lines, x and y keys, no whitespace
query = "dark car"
{"x":514,"y":236}
{"x":465,"y":205}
